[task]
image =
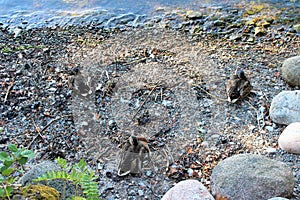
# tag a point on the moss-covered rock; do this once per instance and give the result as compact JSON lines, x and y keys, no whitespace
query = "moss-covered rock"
{"x":35,"y":192}
{"x":41,"y":192}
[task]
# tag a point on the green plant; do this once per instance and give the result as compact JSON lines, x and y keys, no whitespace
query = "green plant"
{"x":79,"y":174}
{"x":9,"y":163}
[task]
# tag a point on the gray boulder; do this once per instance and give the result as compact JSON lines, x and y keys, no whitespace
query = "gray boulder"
{"x":188,"y":189}
{"x":291,"y":70}
{"x":65,"y":188}
{"x":285,"y":107}
{"x":251,"y":177}
{"x":37,"y":171}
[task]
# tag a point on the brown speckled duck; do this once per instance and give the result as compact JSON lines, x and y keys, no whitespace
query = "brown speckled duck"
{"x":238,"y":86}
{"x":81,"y":84}
{"x":133,"y":155}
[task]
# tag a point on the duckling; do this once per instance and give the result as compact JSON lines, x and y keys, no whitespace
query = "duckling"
{"x":133,"y":156}
{"x":238,"y":86}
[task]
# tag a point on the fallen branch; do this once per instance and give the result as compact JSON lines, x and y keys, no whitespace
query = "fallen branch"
{"x":140,"y":107}
{"x":40,"y":131}
{"x":257,"y":114}
{"x":135,"y":61}
{"x":213,"y":96}
{"x":54,"y":121}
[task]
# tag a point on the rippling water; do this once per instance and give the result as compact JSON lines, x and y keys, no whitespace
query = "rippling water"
{"x":10,"y":6}
{"x":37,"y":13}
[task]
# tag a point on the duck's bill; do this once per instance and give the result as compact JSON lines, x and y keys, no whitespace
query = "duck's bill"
{"x":232,"y":100}
{"x":123,"y":174}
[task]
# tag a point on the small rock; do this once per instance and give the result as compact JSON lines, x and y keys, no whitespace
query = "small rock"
{"x":269,"y":128}
{"x":219,"y":23}
{"x":285,"y":107}
{"x":249,"y":176}
{"x":131,"y":193}
{"x":190,"y":172}
{"x":271,"y":150}
{"x":149,"y":173}
{"x":204,"y":144}
{"x":17,"y":32}
{"x":278,"y":198}
{"x":19,"y":72}
{"x":188,"y":189}
{"x":259,"y":31}
{"x":141,"y":193}
{"x":289,"y":139}
{"x":291,"y":71}
{"x":193,"y":15}
{"x":18,"y":197}
{"x":202,"y":130}
{"x":52,"y":89}
{"x":141,"y":183}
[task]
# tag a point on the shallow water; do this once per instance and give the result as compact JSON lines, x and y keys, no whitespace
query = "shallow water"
{"x":37,"y":13}
{"x":140,"y":7}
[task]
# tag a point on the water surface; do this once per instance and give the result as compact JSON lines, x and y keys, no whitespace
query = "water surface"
{"x":44,"y":12}
{"x":39,"y":13}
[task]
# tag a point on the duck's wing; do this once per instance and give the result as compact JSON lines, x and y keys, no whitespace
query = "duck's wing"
{"x":244,"y":88}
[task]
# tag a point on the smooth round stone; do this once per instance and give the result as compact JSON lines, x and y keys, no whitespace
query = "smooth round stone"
{"x":250,"y":176}
{"x":289,"y":140}
{"x":285,"y":107}
{"x":188,"y":189}
{"x":291,"y":70}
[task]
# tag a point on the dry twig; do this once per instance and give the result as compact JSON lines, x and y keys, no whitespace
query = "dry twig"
{"x":8,"y":90}
{"x":135,"y":61}
{"x":257,"y":113}
{"x":213,"y":96}
{"x":140,"y":107}
{"x":40,"y":131}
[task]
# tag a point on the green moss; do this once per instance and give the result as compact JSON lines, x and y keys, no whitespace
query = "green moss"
{"x":297,"y":27}
{"x":254,"y":8}
{"x":41,"y":192}
{"x":22,"y":47}
{"x":6,"y":50}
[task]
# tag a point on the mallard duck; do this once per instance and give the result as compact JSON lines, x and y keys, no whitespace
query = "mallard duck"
{"x":238,"y":86}
{"x":133,"y":156}
{"x":81,"y":84}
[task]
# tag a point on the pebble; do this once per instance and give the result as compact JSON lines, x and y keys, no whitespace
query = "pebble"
{"x":52,"y":89}
{"x":17,"y":32}
{"x":190,"y":172}
{"x":141,"y":193}
{"x":205,"y":144}
{"x":271,"y":150}
{"x":131,"y":193}
{"x":269,"y":128}
{"x":141,"y":183}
